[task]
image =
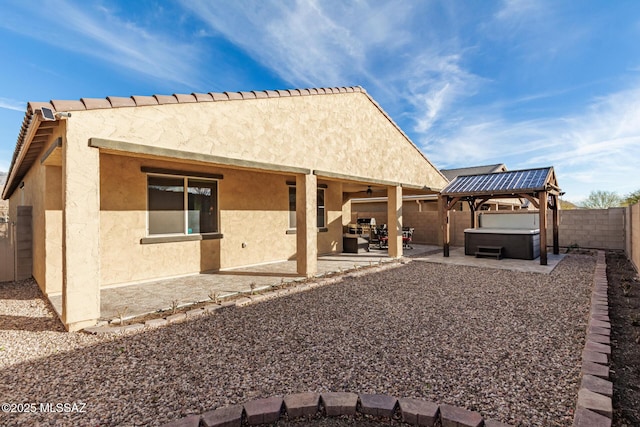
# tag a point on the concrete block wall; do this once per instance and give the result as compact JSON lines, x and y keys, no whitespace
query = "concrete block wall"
{"x":425,"y":224}
{"x":591,"y":228}
{"x":607,"y":229}
{"x":588,"y":228}
{"x":458,"y":222}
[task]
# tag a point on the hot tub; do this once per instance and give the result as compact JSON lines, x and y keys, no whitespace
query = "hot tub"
{"x":516,"y":243}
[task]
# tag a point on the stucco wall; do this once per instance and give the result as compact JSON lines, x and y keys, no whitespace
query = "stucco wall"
{"x":254,"y":211}
{"x":53,"y":237}
{"x":320,"y":132}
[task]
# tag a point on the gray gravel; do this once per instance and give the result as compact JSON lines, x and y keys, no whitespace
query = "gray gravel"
{"x":506,"y":344}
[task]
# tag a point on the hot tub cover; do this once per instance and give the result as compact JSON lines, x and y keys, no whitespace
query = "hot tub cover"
{"x":502,"y":230}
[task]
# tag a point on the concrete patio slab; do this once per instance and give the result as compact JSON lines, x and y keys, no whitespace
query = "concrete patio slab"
{"x":137,"y":299}
{"x":457,"y":257}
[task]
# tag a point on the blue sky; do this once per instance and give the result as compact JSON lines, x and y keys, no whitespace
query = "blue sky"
{"x":528,"y":83}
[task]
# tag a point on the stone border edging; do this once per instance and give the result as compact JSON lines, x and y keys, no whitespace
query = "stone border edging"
{"x":594,"y":406}
{"x":288,"y":288}
{"x":333,"y":404}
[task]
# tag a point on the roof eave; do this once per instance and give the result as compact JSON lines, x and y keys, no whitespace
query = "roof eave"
{"x":33,"y":120}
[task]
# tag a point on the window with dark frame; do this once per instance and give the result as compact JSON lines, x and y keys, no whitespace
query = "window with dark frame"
{"x":292,"y":207}
{"x":182,"y":205}
{"x":321,"y":210}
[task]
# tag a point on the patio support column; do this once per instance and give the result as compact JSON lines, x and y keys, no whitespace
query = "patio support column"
{"x":307,"y":225}
{"x":542,"y":197}
{"x":394,"y":220}
{"x":80,"y":231}
{"x":472,"y":208}
{"x":444,"y":224}
{"x":556,"y":225}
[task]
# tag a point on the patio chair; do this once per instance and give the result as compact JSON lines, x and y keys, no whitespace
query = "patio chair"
{"x":382,"y":236}
{"x":407,"y":237}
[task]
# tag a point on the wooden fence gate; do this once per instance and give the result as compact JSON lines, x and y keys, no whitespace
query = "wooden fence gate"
{"x":16,"y":253}
{"x":7,"y":252}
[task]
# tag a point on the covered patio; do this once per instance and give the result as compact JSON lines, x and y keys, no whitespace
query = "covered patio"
{"x":148,"y":297}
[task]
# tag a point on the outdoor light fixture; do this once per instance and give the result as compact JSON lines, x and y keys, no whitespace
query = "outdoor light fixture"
{"x":369,"y":191}
{"x":49,"y":115}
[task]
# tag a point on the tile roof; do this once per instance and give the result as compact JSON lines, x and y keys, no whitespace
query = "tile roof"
{"x":139,"y":101}
{"x":510,"y":182}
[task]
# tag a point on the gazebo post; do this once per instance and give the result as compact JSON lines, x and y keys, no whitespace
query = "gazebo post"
{"x":542,"y":198}
{"x":444,"y":224}
{"x":556,"y":225}
{"x":472,"y":205}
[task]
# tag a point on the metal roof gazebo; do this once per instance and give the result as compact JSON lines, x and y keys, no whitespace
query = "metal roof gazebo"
{"x":539,"y":186}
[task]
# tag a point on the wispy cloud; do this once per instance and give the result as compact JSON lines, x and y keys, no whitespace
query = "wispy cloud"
{"x":302,"y":41}
{"x":604,"y":136}
{"x":592,"y":146}
{"x":99,"y":33}
{"x":335,"y":43}
{"x":11,"y":104}
{"x":434,"y":83}
{"x":535,"y":30}
{"x":515,"y":12}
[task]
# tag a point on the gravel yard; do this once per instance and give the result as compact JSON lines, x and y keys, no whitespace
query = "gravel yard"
{"x":504,"y":343}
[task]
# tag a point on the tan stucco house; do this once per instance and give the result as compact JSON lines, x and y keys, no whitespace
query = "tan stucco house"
{"x":125,"y":190}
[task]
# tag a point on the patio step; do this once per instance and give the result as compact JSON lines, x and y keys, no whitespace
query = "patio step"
{"x":489,"y":251}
